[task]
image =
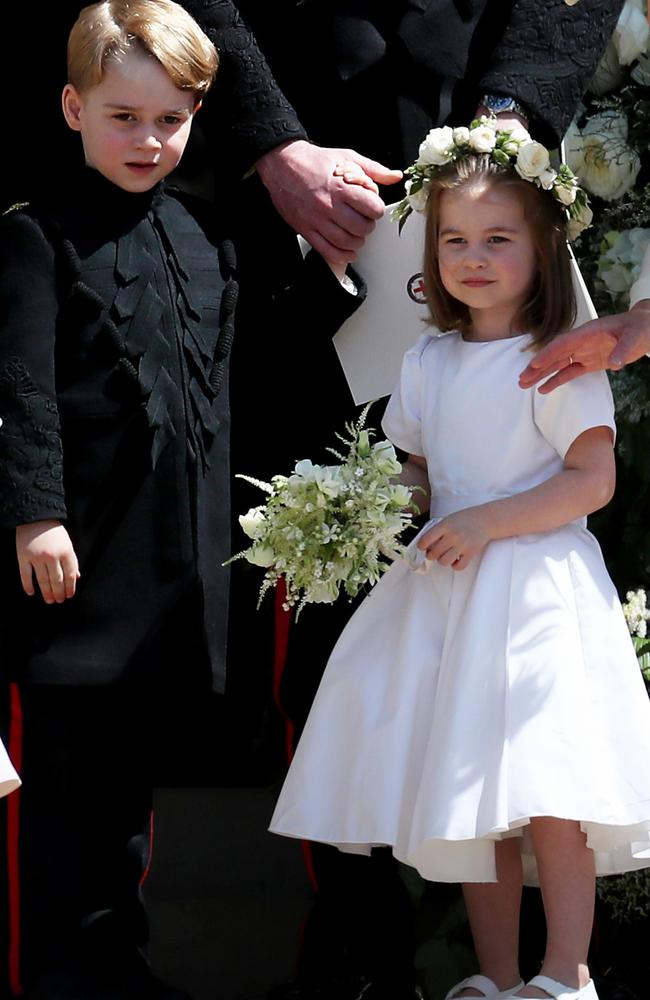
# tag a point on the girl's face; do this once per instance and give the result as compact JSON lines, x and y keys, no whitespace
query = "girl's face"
{"x":134,"y":124}
{"x":486,"y":256}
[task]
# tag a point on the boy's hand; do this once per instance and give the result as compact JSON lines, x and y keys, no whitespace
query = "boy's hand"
{"x":456,"y":539}
{"x":44,"y":550}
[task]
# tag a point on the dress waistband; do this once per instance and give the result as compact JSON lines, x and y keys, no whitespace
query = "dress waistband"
{"x":449,"y":503}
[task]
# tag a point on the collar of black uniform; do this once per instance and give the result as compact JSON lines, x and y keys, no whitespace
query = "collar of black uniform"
{"x":88,"y":195}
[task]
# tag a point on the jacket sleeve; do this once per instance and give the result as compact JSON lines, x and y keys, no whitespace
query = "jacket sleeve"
{"x":547,"y":56}
{"x":31,"y":460}
{"x":246,"y":98}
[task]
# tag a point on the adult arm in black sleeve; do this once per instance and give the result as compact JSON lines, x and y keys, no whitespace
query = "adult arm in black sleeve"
{"x":546,"y":57}
{"x":31,"y":461}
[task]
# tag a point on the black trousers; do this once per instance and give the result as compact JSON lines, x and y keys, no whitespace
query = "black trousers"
{"x":361,"y":920}
{"x":79,"y":830}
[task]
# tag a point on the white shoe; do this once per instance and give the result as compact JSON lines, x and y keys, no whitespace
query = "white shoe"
{"x":488,"y":989}
{"x":556,"y":990}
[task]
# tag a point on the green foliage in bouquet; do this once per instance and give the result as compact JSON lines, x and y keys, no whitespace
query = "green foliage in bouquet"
{"x":329,"y":528}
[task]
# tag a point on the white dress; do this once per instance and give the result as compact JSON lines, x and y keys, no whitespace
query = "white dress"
{"x":457,"y":705}
{"x":9,"y":780}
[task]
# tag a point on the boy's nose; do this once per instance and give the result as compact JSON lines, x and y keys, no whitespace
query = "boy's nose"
{"x":146,"y":139}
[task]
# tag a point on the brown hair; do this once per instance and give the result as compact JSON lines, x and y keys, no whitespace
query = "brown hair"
{"x":551,"y":305}
{"x":160,"y":28}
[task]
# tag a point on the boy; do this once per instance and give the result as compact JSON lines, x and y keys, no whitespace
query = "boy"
{"x":116,"y":309}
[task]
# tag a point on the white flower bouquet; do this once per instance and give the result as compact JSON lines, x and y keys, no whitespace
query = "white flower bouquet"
{"x":328,"y":528}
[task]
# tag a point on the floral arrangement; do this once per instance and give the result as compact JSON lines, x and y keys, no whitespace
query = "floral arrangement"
{"x":637,"y":616}
{"x":628,"y":895}
{"x":608,"y":145}
{"x":511,"y":147}
{"x":328,"y":528}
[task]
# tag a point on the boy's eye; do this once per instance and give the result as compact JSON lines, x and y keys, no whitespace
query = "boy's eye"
{"x":123,"y":116}
{"x":170,"y":120}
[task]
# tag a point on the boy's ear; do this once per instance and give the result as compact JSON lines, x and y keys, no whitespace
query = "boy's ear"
{"x":71,"y":103}
{"x":197,"y":107}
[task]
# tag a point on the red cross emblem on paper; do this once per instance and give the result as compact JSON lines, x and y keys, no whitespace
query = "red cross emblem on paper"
{"x":415,"y":288}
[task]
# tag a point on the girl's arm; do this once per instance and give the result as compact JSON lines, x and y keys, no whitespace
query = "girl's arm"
{"x":45,"y":551}
{"x":584,"y":485}
{"x":414,"y":474}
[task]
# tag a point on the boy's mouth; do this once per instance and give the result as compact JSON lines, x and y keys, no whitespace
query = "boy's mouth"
{"x":142,"y":167}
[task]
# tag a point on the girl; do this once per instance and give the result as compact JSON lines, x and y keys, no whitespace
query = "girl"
{"x":487,"y":718}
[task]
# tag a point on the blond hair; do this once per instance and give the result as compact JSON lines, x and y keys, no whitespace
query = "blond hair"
{"x":161,"y":28}
{"x":551,"y":306}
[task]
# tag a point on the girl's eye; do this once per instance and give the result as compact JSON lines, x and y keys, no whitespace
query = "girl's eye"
{"x":455,"y":240}
{"x":498,"y":239}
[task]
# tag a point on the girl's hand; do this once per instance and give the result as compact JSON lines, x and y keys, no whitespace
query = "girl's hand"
{"x":456,"y":539}
{"x":44,"y":550}
{"x":353,"y":174}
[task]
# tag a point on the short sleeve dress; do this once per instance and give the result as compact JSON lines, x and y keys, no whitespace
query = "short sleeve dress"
{"x":457,"y":705}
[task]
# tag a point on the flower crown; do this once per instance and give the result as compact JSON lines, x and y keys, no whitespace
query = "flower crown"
{"x":511,"y":147}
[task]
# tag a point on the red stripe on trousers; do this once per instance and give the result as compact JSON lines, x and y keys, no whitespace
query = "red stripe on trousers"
{"x":283,"y":621}
{"x":15,"y":751}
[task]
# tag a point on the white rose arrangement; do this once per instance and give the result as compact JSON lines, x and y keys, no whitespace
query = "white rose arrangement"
{"x":619,"y":263}
{"x":637,"y":616}
{"x":325,"y":529}
{"x":512,"y":148}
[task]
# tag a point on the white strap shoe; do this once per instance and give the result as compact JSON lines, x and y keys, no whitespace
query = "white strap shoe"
{"x":558,"y":991}
{"x":488,"y":989}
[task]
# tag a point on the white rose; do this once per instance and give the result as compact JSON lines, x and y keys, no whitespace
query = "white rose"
{"x":418,"y":200}
{"x":253,"y":523}
{"x":482,"y":138}
{"x":631,"y":34}
{"x":261,"y":555}
{"x":610,"y":123}
{"x":547,"y":178}
{"x":321,"y":593}
{"x":436,"y":147}
{"x":532,"y":160}
{"x":609,"y":73}
{"x":567,"y":195}
{"x":401,"y":495}
{"x":608,"y":169}
{"x":582,"y":218}
{"x":461,"y":136}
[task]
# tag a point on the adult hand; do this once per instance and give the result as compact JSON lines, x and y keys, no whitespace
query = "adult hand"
{"x":610,"y":342}
{"x":308,"y":187}
{"x":45,"y":551}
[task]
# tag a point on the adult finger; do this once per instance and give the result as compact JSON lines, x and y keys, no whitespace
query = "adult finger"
{"x":57,"y":583}
{"x":560,"y":378}
{"x":26,"y":577}
{"x":632,"y":345}
{"x":376,"y":170}
{"x":43,"y":580}
{"x":332,"y":253}
{"x":70,"y":574}
{"x":350,"y":200}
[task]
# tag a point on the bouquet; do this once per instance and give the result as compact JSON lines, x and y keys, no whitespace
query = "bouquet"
{"x":326,"y":528}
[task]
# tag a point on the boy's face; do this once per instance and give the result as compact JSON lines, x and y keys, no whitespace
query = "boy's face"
{"x":135,"y":124}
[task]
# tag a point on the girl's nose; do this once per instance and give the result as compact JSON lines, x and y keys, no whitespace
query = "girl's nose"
{"x":474,"y":257}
